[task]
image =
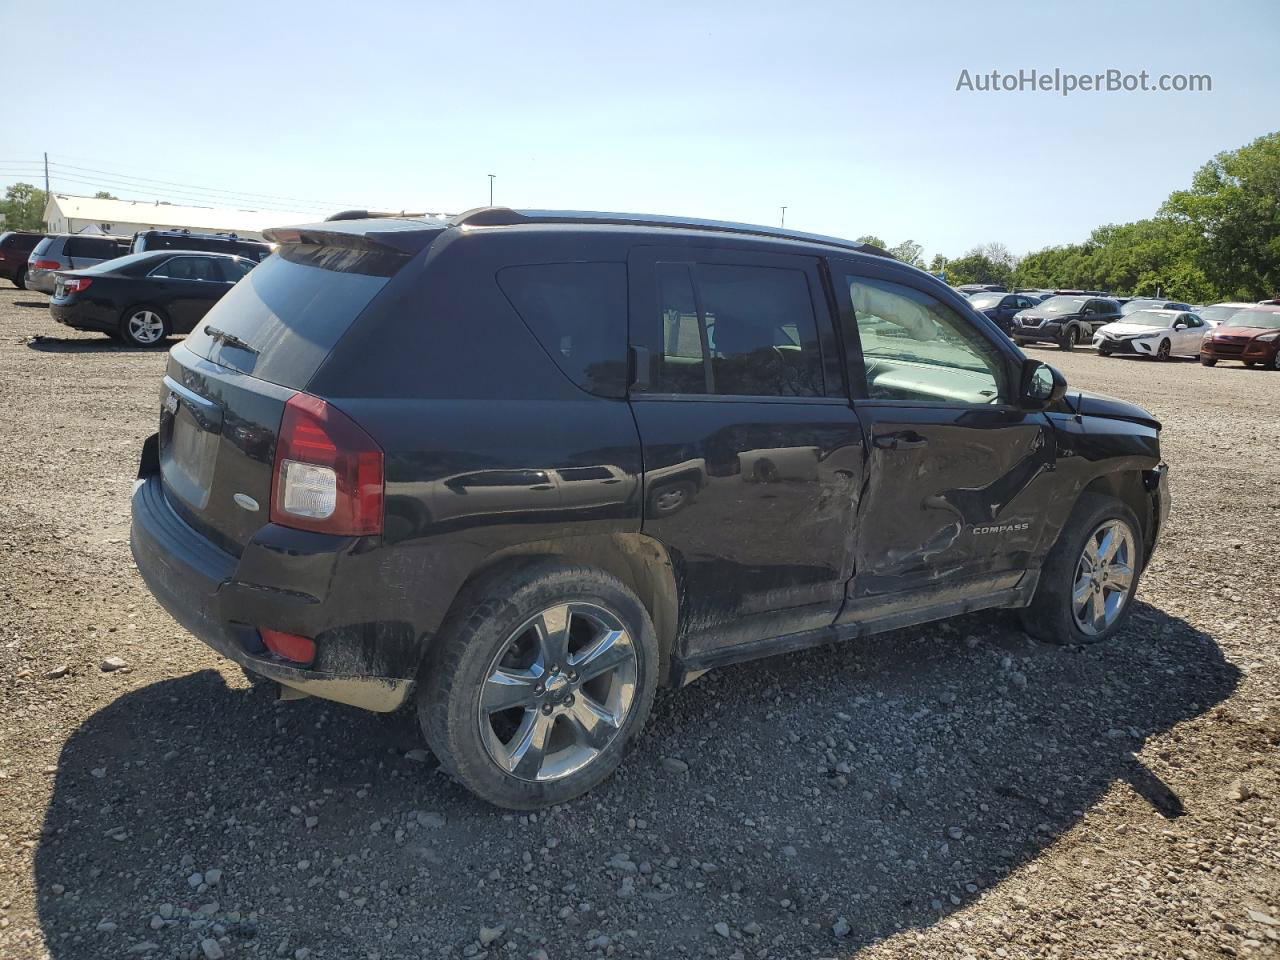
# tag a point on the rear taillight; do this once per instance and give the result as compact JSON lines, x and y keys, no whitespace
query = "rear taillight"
{"x":45,"y":265}
{"x":328,"y":474}
{"x":76,"y":284}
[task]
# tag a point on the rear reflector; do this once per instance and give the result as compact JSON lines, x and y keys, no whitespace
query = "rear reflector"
{"x":328,"y":474}
{"x":290,"y":646}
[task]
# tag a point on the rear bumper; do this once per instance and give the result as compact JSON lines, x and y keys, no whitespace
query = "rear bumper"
{"x":42,"y":280}
{"x":201,"y":587}
{"x":82,"y":316}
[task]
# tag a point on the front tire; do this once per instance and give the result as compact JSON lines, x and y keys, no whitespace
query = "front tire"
{"x":1104,"y":351}
{"x":1163,"y":351}
{"x":1208,"y":361}
{"x":1021,"y":341}
{"x":144,"y":326}
{"x":536,"y":683}
{"x":1088,"y":581}
{"x":1070,"y":337}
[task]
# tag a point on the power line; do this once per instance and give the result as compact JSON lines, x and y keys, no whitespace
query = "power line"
{"x":172,"y":183}
{"x":140,"y":192}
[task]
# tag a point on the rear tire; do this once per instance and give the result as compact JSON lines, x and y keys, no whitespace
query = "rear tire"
{"x":1248,"y":363}
{"x":1020,"y":341}
{"x":143,"y":325}
{"x":20,"y":280}
{"x":564,"y":731}
{"x":1055,"y":613}
{"x":1207,"y":361}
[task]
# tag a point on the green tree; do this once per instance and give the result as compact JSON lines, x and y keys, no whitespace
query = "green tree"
{"x":1233,"y":211}
{"x":103,"y":195}
{"x":873,"y":240}
{"x":908,"y":251}
{"x":23,"y":207}
{"x":978,"y":266}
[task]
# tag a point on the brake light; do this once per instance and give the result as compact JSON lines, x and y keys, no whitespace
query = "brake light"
{"x":328,"y":473}
{"x":45,"y":265}
{"x":76,"y":284}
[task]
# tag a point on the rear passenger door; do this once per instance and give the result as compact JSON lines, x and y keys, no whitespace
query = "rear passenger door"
{"x":954,"y":506}
{"x":753,"y":458}
{"x":186,"y":286}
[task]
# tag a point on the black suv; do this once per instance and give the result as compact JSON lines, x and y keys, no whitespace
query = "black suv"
{"x":1066,"y":320}
{"x":148,"y":240}
{"x":527,"y":466}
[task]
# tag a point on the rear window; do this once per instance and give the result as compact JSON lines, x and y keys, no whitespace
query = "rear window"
{"x":578,"y":312}
{"x":280,"y":322}
{"x":91,"y":248}
{"x":43,"y":246}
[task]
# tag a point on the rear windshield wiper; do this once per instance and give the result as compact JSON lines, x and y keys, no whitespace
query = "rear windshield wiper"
{"x":230,"y":339}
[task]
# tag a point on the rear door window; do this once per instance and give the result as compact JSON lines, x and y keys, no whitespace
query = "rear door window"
{"x":91,"y":248}
{"x":281,"y":321}
{"x":742,"y":330}
{"x":578,"y":312}
{"x":188,"y":268}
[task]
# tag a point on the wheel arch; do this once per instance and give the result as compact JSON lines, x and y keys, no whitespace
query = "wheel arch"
{"x":640,"y":562}
{"x":1130,"y":488}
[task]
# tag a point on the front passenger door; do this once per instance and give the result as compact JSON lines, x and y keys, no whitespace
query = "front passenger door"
{"x":954,"y":505}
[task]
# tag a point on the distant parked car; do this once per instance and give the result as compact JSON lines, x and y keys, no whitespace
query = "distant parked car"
{"x":1215,"y":313}
{"x":1251,"y":336}
{"x":149,"y":240}
{"x":1146,"y":303}
{"x":144,"y":297}
{"x":15,"y":248}
{"x":1000,"y":307}
{"x":64,"y":251}
{"x":1064,"y":320}
{"x":1152,"y":333}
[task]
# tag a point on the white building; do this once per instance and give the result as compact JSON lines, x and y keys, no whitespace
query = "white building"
{"x":123,"y":218}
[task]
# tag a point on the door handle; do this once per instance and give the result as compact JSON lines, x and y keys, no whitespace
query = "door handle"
{"x":905,"y":440}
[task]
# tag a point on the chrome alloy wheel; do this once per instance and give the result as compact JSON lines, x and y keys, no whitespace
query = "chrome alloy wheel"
{"x":145,"y":326}
{"x":1104,"y":574}
{"x":558,"y":691}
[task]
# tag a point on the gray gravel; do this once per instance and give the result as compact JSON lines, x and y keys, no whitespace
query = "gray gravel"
{"x":953,"y":791}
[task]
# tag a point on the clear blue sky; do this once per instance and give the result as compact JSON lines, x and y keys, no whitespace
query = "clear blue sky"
{"x":845,"y":112}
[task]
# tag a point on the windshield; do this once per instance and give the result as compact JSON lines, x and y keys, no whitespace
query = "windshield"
{"x":1062,"y":305}
{"x":1218,"y":313}
{"x":1144,"y":304}
{"x":1255,"y":318}
{"x":984,"y":300}
{"x":1150,"y":318}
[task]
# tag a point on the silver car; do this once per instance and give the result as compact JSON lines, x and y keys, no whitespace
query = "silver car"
{"x":64,"y":251}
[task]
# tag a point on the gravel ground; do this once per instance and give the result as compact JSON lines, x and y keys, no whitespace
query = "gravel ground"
{"x":953,"y":791}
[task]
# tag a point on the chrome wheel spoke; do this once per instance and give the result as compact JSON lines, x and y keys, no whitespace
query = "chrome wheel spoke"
{"x":608,"y":653}
{"x":529,"y":745}
{"x":1120,"y":576}
{"x":1104,"y":577}
{"x":592,"y":724}
{"x":552,"y":627}
{"x":506,"y":689}
{"x":1084,"y":587}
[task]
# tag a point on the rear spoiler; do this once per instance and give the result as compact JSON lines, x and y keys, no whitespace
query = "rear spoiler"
{"x":374,"y":234}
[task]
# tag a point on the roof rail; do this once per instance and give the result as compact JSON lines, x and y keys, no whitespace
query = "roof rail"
{"x":373,"y":215}
{"x":506,"y":217}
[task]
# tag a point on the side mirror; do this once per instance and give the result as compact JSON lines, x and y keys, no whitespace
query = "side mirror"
{"x":1180,"y":325}
{"x":1042,"y":385}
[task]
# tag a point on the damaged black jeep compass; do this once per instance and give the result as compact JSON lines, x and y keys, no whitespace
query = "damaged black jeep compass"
{"x":525,"y":466}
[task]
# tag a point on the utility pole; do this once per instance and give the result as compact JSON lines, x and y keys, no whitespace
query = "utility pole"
{"x":491,"y":176}
{"x":784,"y":217}
{"x":46,"y":177}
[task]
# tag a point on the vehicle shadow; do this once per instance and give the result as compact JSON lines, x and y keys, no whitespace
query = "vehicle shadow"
{"x":878,"y":785}
{"x":89,"y":344}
